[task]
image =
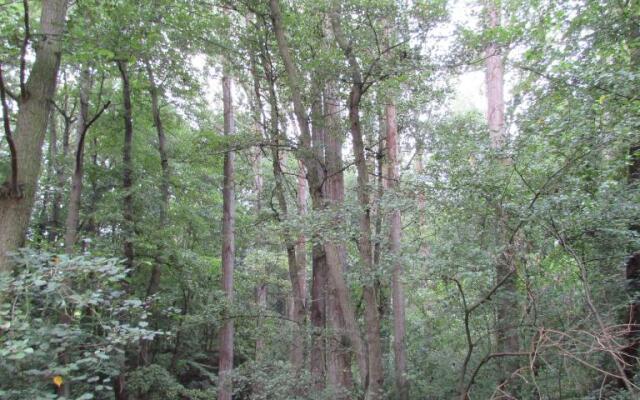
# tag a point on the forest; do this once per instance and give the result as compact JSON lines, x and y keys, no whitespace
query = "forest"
{"x":320,"y":199}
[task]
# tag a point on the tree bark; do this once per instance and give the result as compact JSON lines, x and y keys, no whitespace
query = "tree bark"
{"x":339,"y":360}
{"x":296,"y":276}
{"x":53,"y":173}
{"x":225,"y":365}
{"x":156,"y":271}
{"x":73,"y":213}
{"x":120,"y":383}
{"x":60,"y":168}
{"x":261,"y":286}
{"x":506,"y":303}
{"x":375,"y":381}
{"x":315,"y":177}
{"x":127,"y":168}
{"x":395,"y":232}
{"x":300,"y":306}
{"x":631,"y":350}
{"x":33,"y":114}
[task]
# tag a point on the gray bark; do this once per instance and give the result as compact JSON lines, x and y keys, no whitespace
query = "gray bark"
{"x":127,"y":168}
{"x":73,"y":211}
{"x":225,"y":365}
{"x":33,"y":114}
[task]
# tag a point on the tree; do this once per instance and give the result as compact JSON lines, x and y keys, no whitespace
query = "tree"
{"x":507,"y":305}
{"x":34,"y":105}
{"x":225,"y":389}
{"x":375,"y":376}
{"x":84,"y":123}
{"x":127,"y":166}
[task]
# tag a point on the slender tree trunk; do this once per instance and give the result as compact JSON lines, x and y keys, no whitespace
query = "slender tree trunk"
{"x":339,"y":359}
{"x":225,"y":388}
{"x":261,"y":287}
{"x":127,"y":168}
{"x":379,"y":163}
{"x":422,"y":204}
{"x":322,"y":306}
{"x":374,"y":389}
{"x":73,"y":213}
{"x":161,"y":258}
{"x":33,"y":114}
{"x":154,"y":279}
{"x":53,"y":173}
{"x":297,"y":309}
{"x":56,"y":205}
{"x":120,"y":383}
{"x":300,"y":306}
{"x":507,"y":305}
{"x":93,"y":199}
{"x":376,"y":376}
{"x":296,"y":277}
{"x":495,"y":83}
{"x":395,"y":232}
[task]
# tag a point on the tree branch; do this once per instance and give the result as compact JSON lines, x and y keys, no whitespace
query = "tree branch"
{"x":23,"y":50}
{"x":13,"y":189}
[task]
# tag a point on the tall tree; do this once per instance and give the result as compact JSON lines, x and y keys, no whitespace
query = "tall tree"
{"x":34,"y":104}
{"x":59,"y":163}
{"x":395,"y":232}
{"x":338,"y":358}
{"x":225,"y":365}
{"x":154,"y":92}
{"x":73,"y":213}
{"x":83,"y":125}
{"x":315,"y":178}
{"x":127,"y":166}
{"x":375,"y":373}
{"x":507,"y":304}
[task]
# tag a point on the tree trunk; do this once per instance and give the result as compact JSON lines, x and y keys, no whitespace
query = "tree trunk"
{"x":225,"y":366}
{"x":60,"y":168}
{"x":154,"y":279}
{"x":506,"y":303}
{"x":33,"y":114}
{"x":315,"y":177}
{"x":375,"y":381}
{"x":376,"y":376}
{"x":53,"y":174}
{"x":127,"y":168}
{"x":339,"y":359}
{"x":322,"y":306}
{"x":395,"y":232}
{"x":73,"y":213}
{"x":424,"y":250}
{"x":261,"y":286}
{"x":300,"y":307}
{"x":296,"y":276}
{"x":631,"y":351}
{"x":318,"y":316}
{"x":120,"y":383}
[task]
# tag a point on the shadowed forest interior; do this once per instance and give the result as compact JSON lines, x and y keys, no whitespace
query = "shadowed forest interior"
{"x":320,"y":199}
